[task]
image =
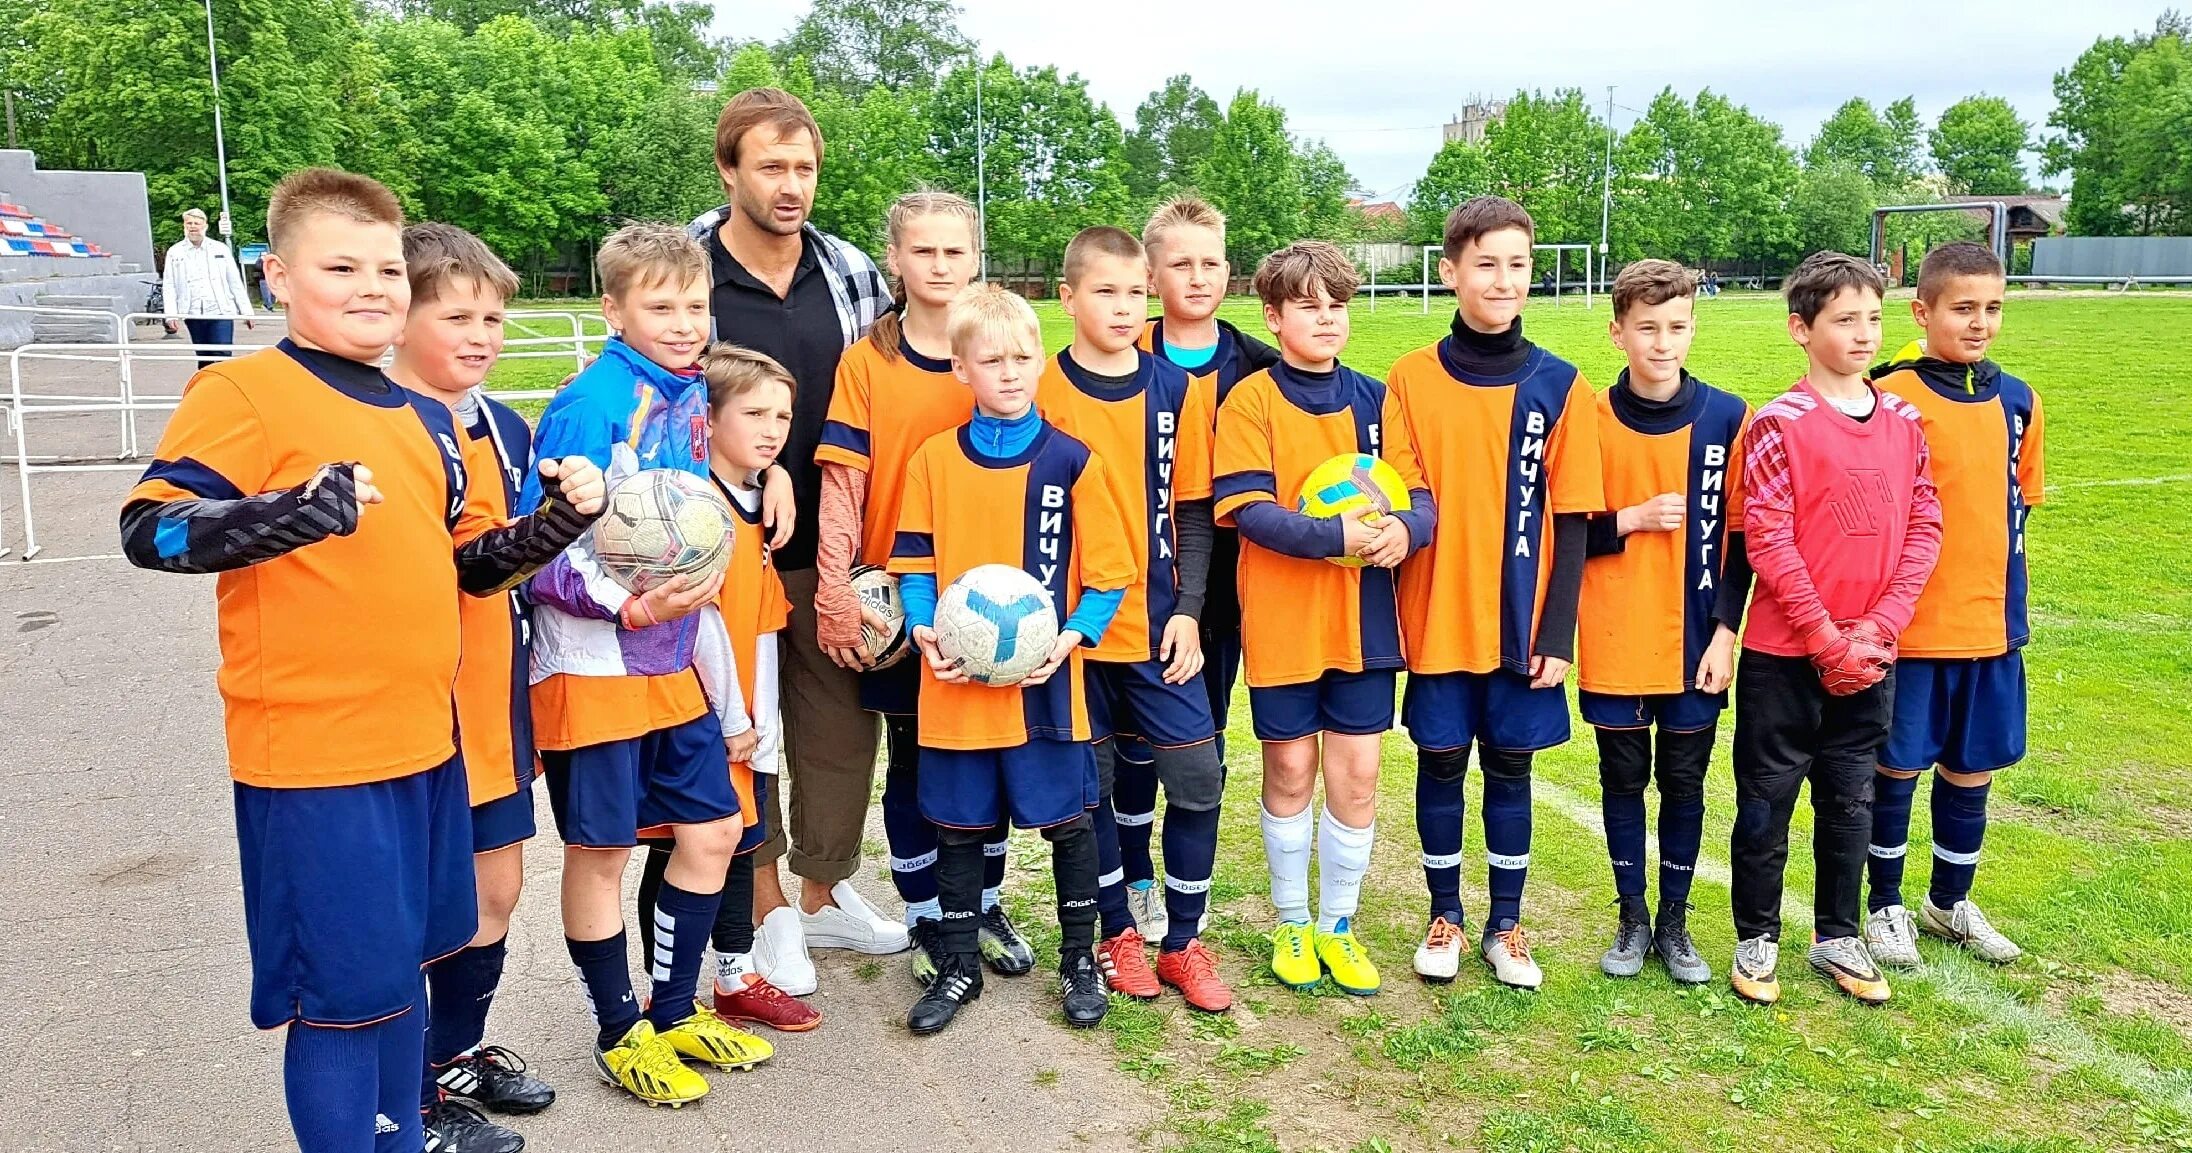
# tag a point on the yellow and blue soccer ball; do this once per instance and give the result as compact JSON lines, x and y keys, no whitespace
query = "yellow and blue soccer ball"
{"x":1348,"y":481}
{"x":997,"y":622}
{"x":661,"y":523}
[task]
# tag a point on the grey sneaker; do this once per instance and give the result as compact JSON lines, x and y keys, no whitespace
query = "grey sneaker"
{"x":1671,"y":940}
{"x":1965,"y":925}
{"x":1846,"y":962}
{"x":1893,"y":937}
{"x":1146,"y":901}
{"x":1632,"y":941}
{"x":1752,"y":976}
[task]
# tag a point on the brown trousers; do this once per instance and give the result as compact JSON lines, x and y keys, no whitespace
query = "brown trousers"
{"x":829,"y":742}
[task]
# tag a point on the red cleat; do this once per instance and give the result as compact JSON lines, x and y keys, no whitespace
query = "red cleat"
{"x":1125,"y":962}
{"x":1194,"y":972}
{"x":760,"y":1003}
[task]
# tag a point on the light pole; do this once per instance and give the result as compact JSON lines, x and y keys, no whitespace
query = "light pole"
{"x":220,"y":146}
{"x":981,"y":175}
{"x":1606,"y":199}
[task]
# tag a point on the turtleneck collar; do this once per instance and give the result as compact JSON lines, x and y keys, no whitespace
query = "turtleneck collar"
{"x":1485,"y":357}
{"x":998,"y":438}
{"x":1655,"y":416}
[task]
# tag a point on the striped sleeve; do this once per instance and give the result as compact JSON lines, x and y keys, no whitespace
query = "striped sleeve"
{"x":913,"y":550}
{"x":1241,"y":461}
{"x":846,"y":430}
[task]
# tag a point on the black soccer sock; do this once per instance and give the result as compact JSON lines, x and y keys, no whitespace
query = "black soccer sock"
{"x":734,"y":923}
{"x":1134,"y":811}
{"x":605,"y":978}
{"x":462,"y":989}
{"x":959,"y":888}
{"x":682,"y":924}
{"x":994,"y":847}
{"x":1073,"y":870}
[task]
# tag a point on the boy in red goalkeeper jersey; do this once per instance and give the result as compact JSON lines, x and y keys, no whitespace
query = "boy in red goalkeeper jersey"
{"x":1842,"y":527}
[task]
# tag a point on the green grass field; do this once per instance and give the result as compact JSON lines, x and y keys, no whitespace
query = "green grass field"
{"x":2084,"y":1045}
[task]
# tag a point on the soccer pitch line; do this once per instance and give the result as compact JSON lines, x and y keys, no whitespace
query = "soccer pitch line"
{"x":1956,"y":978}
{"x":2123,"y":482}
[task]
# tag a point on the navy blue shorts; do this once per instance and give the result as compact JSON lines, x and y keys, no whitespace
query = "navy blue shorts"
{"x":349,"y":889}
{"x":1966,"y":715}
{"x":504,"y":821}
{"x":1688,"y":711}
{"x":1035,"y":785}
{"x":604,"y":794}
{"x":895,"y":691}
{"x":1131,"y":699}
{"x":1498,"y":709}
{"x":1351,"y":704}
{"x":756,"y":829}
{"x":1221,"y":667}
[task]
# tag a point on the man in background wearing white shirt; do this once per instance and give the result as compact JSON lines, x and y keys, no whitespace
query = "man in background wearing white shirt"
{"x":203,"y":287}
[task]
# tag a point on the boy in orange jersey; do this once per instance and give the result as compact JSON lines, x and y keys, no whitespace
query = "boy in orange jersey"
{"x":895,"y":390}
{"x":749,"y":414}
{"x":1662,"y":597}
{"x":1960,"y":685}
{"x":1141,"y":416}
{"x":1188,"y":271}
{"x":1508,"y":437}
{"x":627,"y":738}
{"x":323,"y":495}
{"x":1321,"y":640}
{"x":449,"y":342}
{"x":1009,"y":488}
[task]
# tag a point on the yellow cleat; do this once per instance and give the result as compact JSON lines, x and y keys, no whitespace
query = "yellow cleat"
{"x":1347,"y":961}
{"x":644,"y":1065}
{"x":1294,"y":955}
{"x":704,"y":1037}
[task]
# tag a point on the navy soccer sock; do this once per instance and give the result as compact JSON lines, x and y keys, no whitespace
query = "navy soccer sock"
{"x":1959,"y":829}
{"x":994,"y":847}
{"x":683,"y":922}
{"x":1191,"y":851}
{"x":1506,"y":832}
{"x":1134,"y":809}
{"x":1439,"y":805}
{"x":912,"y":841}
{"x":1890,"y":847}
{"x":401,"y":1045}
{"x":1624,"y":817}
{"x":463,"y":989}
{"x":331,"y":1078}
{"x":1111,"y":910}
{"x":1681,"y":831}
{"x":606,"y":980}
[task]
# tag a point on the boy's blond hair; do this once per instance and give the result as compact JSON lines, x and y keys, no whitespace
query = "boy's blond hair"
{"x":986,"y":315}
{"x":307,"y":191}
{"x":1297,"y":270}
{"x":1181,"y":212}
{"x":643,"y":255}
{"x":732,"y":372}
{"x":1649,"y":282}
{"x":435,"y":255}
{"x":1101,"y":240}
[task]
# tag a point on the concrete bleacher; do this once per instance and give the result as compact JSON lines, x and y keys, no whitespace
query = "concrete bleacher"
{"x":25,"y":233}
{"x":44,"y":261}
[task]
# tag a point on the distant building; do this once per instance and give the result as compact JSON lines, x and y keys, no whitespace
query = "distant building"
{"x":1377,"y":211}
{"x":2030,"y":217}
{"x":1475,"y":117}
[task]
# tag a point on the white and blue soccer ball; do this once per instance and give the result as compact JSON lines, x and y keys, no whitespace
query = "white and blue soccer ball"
{"x":659,"y":523}
{"x":997,"y":622}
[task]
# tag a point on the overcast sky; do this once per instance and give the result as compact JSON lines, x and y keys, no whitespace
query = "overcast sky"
{"x":1376,"y":78}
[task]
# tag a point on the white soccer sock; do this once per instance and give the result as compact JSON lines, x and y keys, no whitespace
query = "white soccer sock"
{"x":729,"y":967}
{"x":1286,"y":850}
{"x":1345,"y":853}
{"x":917,"y":910}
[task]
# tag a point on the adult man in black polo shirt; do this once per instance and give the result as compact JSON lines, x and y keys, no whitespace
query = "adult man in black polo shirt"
{"x":785,"y":288}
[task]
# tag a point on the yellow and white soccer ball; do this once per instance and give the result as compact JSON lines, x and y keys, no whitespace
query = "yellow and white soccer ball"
{"x":659,"y":523}
{"x":1348,"y":481}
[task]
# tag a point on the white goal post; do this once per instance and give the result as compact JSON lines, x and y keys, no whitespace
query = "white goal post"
{"x":1560,"y":267}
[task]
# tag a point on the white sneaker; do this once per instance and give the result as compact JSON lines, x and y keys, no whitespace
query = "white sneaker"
{"x":1508,"y":954}
{"x":1893,"y":937}
{"x":851,"y":924}
{"x":1965,"y":925}
{"x":780,"y":953}
{"x":1439,"y":957}
{"x":1146,"y":901}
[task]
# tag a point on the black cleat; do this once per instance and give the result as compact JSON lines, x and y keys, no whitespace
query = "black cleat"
{"x":1002,"y":945}
{"x":1083,"y":985}
{"x":928,"y":949}
{"x":494,"y":1079}
{"x":457,"y":1128}
{"x":958,"y":981}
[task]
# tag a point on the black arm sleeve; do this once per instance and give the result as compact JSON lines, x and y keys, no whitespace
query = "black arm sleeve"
{"x":500,"y":559}
{"x":1556,"y":627}
{"x":208,"y":536}
{"x":1195,"y":532}
{"x":1605,"y":537}
{"x":1258,"y":354}
{"x":1735,"y":584}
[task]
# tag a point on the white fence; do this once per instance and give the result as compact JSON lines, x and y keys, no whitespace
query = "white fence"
{"x":127,"y":400}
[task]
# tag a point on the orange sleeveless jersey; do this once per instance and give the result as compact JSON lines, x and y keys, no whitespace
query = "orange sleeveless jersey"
{"x":338,"y":660}
{"x":882,"y":410}
{"x":1301,"y":617}
{"x":1153,"y":436}
{"x":1501,"y":459}
{"x":1988,"y":463}
{"x":1047,"y":511}
{"x":1645,"y":617}
{"x":494,"y":708}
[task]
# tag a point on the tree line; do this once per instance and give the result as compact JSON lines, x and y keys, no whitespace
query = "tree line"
{"x":542,"y":124}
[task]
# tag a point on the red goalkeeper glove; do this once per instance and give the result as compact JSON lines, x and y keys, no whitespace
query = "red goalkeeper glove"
{"x":1855,"y":656}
